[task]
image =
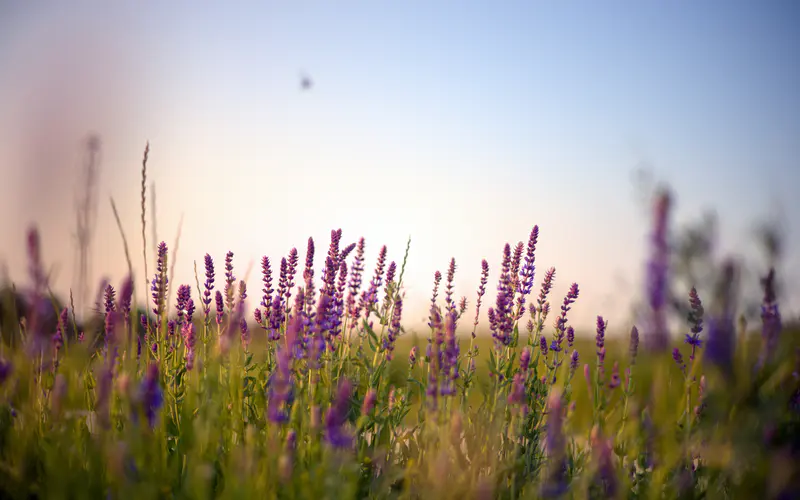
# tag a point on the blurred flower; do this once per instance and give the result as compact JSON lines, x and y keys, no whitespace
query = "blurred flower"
{"x":150,"y":394}
{"x":770,"y":319}
{"x":721,"y":335}
{"x":657,"y":272}
{"x":335,"y":419}
{"x":516,"y":395}
{"x":369,"y":401}
{"x":633,"y":349}
{"x":245,"y":333}
{"x":555,"y":483}
{"x":615,"y":380}
{"x":5,"y":370}
{"x":525,"y":359}
{"x":606,"y":475}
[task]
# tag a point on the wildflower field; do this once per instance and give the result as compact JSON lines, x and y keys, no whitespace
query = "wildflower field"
{"x":311,"y":388}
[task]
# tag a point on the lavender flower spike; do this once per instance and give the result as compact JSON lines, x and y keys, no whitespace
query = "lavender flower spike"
{"x":719,"y":347}
{"x":657,"y":270}
{"x":555,"y":481}
{"x":335,"y":419}
{"x":150,"y":394}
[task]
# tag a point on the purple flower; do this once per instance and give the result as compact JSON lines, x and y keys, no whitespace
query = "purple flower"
{"x":182,"y":296}
{"x":189,"y":311}
{"x":346,"y":251}
{"x":394,"y":328}
{"x":601,"y":333}
{"x":543,"y":345}
{"x":449,"y":365}
{"x":291,"y":270}
{"x":719,"y":346}
{"x":657,"y":271}
{"x":5,"y":370}
{"x":230,"y":279}
{"x":634,"y":344}
{"x":573,"y":362}
{"x":481,"y":292}
{"x":208,"y":285}
{"x":371,"y":297}
{"x":570,"y":336}
{"x":771,"y":325}
{"x":126,"y":297}
{"x":606,"y":475}
{"x":615,"y":380}
{"x":448,"y":289}
{"x":678,"y":357}
{"x":547,"y":285}
{"x":353,"y":309}
{"x":308,"y":272}
{"x":333,"y":250}
{"x":390,"y":272}
{"x":280,"y":381}
{"x":525,"y":359}
{"x":245,"y":331}
{"x":284,"y":288}
{"x":151,"y":396}
{"x":369,"y":401}
{"x":171,"y":325}
{"x":160,"y":282}
{"x":528,"y":267}
{"x":109,"y":299}
{"x":412,"y":356}
{"x":517,"y":394}
{"x":61,"y":329}
{"x":276,"y":318}
{"x":336,"y":418}
{"x":500,"y":319}
{"x":142,"y":321}
{"x":266,"y":272}
{"x":503,"y":315}
{"x":516,"y":259}
{"x":437,"y":278}
{"x":571,"y":297}
{"x":220,"y":306}
{"x":556,"y":482}
{"x":337,"y":311}
{"x":696,"y":320}
{"x":189,"y":338}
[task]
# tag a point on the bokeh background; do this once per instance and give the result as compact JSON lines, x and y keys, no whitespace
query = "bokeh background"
{"x":459,"y":124}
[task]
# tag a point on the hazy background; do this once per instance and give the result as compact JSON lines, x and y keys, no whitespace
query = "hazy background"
{"x":460,"y":124}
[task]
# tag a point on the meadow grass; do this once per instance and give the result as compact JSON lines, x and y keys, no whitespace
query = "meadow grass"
{"x":318,"y":391}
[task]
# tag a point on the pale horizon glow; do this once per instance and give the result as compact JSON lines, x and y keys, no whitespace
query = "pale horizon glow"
{"x":460,"y":125}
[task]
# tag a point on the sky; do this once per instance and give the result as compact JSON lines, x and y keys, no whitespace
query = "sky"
{"x":457,"y":124}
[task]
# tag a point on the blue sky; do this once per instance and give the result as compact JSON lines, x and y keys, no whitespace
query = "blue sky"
{"x":460,"y":124}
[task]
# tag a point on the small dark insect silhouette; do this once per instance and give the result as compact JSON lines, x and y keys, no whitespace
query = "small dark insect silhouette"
{"x":305,"y":82}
